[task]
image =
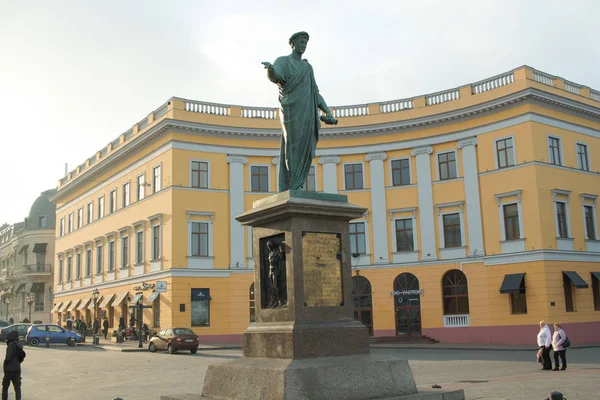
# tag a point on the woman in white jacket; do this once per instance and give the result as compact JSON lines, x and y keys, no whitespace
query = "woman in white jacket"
{"x":557,"y":340}
{"x":544,"y":340}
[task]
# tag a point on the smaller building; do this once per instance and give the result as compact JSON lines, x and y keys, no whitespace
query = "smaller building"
{"x":26,"y":264}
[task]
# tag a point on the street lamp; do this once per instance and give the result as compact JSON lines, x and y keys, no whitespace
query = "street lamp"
{"x":30,"y":301}
{"x":141,"y":318}
{"x":95,"y":295}
{"x":7,"y":301}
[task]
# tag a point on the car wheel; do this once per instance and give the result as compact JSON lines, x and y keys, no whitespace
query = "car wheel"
{"x":71,"y":341}
{"x":34,"y":341}
{"x":171,"y":350}
{"x":152,"y":347}
{"x":193,"y":351}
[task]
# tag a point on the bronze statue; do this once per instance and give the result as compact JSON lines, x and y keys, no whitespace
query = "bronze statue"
{"x":277,"y":289}
{"x":300,"y":104}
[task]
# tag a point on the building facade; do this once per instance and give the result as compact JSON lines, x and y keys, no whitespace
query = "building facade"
{"x":481,"y":218}
{"x":26,"y":259}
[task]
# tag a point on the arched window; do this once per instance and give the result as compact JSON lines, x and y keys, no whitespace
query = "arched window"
{"x":363,"y":308}
{"x":252,"y":305}
{"x":455,"y":293}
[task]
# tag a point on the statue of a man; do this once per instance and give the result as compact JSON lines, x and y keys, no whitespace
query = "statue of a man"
{"x":300,"y":104}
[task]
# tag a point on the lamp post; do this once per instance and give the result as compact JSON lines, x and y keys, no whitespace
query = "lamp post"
{"x":140,"y":316}
{"x":7,"y":301}
{"x":30,"y":301}
{"x":95,"y":295}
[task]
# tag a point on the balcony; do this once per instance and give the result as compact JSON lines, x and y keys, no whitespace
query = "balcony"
{"x":456,"y":321}
{"x":37,"y":269}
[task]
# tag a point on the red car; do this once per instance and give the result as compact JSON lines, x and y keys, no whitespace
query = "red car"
{"x":174,"y":339}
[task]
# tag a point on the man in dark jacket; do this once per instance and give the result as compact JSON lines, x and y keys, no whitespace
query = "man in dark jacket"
{"x":12,"y":365}
{"x":105,"y":327}
{"x":96,"y":326}
{"x":83,"y":330}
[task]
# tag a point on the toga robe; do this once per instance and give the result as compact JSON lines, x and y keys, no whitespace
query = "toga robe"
{"x":299,"y":113}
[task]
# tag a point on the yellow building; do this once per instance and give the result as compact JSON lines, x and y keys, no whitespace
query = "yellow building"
{"x":482,"y":213}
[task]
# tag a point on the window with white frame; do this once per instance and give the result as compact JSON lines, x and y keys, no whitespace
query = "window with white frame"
{"x":357,"y":238}
{"x":70,"y":223}
{"x":141,"y":187}
{"x":113,"y":201}
{"x":447,"y":165}
{"x":99,"y":259}
{"x":126,"y":195}
{"x":199,"y":174}
{"x":200,"y":239}
{"x":124,"y":251}
{"x":90,"y":212}
{"x":155,"y":242}
{"x":100,"y":207}
{"x":404,"y":234}
{"x":88,"y":263}
{"x":590,"y":222}
{"x":60,"y":270}
{"x":511,"y":215}
{"x":111,"y":256}
{"x":451,"y":225}
{"x":156,"y":179}
{"x":583,"y":162}
{"x":561,"y":213}
{"x":353,"y":176}
{"x":62,"y":227}
{"x":400,"y":172}
{"x":310,"y":185}
{"x":69,"y":267}
{"x":42,"y":222}
{"x":139,"y":246}
{"x":78,"y":265}
{"x":554,"y":150}
{"x":79,"y":218}
{"x":259,"y":178}
{"x":505,"y":152}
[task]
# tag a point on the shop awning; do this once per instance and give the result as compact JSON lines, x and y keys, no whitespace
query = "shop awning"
{"x":597,"y":275}
{"x":119,"y":300}
{"x":201,"y":294}
{"x":576,"y":279}
{"x":74,"y":305}
{"x":106,"y":301}
{"x":55,"y":308}
{"x":84,"y":303}
{"x":511,"y":283}
{"x":40,"y":247}
{"x":135,"y":299}
{"x":153,"y":297}
{"x":91,"y":305}
{"x":64,"y":307}
{"x":37,"y":287}
{"x":24,"y":248}
{"x":20,"y":288}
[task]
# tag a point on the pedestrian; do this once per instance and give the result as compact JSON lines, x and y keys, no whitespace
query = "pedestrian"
{"x":25,"y":320}
{"x":544,"y":340}
{"x":105,"y":328}
{"x":12,"y":365}
{"x":83,"y":330}
{"x":11,"y":320}
{"x":69,"y":324}
{"x":558,"y":340}
{"x":96,"y":326}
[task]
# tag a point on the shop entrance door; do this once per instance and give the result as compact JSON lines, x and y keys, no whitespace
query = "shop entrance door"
{"x":407,"y":305}
{"x":361,"y":295}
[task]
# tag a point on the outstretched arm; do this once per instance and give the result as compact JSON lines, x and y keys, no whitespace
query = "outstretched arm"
{"x":272,"y":73}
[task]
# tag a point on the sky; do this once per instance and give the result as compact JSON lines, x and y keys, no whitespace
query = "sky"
{"x":75,"y":74}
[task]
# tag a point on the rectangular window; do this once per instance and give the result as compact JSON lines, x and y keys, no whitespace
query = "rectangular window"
{"x":590,"y":226}
{"x":447,"y":165}
{"x":156,"y":242}
{"x":518,"y":300}
{"x":200,"y":307}
{"x":554,"y":150}
{"x":42,"y":222}
{"x":156,"y":179}
{"x":596,"y":292}
{"x":113,"y":201}
{"x":111,"y":256}
{"x":400,"y":172}
{"x":99,"y":261}
{"x":157,"y":312}
{"x":353,"y":176}
{"x":311,"y":180}
{"x":70,"y":222}
{"x":126,"y":195}
{"x":62,"y":227}
{"x":100,"y":207}
{"x":561,"y":219}
{"x":505,"y":153}
{"x":125,"y":252}
{"x":357,"y":238}
{"x":60,"y":270}
{"x":78,"y":266}
{"x":79,"y":218}
{"x":259,"y":178}
{"x":88,"y":263}
{"x":69,"y":268}
{"x":139,"y":253}
{"x":199,"y":239}
{"x":90,"y":212}
{"x":141,"y":185}
{"x":568,"y":288}
{"x":452,"y":233}
{"x":404,"y":235}
{"x":39,"y":301}
{"x":199,"y":174}
{"x":582,"y":157}
{"x":511,"y":221}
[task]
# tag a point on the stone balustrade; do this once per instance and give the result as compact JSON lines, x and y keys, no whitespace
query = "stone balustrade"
{"x":115,"y":143}
{"x":129,"y":134}
{"x":259,"y":112}
{"x":595,"y":95}
{"x":493,"y":83}
{"x":544,"y":78}
{"x":395,"y":105}
{"x":206,"y":108}
{"x":160,"y":111}
{"x":350,"y":111}
{"x":142,"y":124}
{"x":455,"y":321}
{"x":442,"y":97}
{"x":572,"y":87}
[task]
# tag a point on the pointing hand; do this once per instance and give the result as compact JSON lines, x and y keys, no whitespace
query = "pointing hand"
{"x":267,"y":64}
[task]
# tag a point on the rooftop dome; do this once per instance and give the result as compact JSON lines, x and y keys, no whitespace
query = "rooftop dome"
{"x":42,"y":207}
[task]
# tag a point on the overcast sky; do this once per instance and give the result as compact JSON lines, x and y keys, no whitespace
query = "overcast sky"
{"x":76,"y":74}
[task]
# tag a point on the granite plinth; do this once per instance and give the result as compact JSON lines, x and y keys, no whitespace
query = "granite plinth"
{"x":354,"y":377}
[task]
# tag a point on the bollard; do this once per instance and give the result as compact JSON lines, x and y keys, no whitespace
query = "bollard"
{"x":47,"y":340}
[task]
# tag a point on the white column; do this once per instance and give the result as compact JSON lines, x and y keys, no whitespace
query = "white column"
{"x":275,"y":162}
{"x":425,"y":190}
{"x":378,"y":207}
{"x":236,"y":207}
{"x":329,"y":164}
{"x":471,"y":179}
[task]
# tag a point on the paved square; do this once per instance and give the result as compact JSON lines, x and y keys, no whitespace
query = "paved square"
{"x":99,"y":374}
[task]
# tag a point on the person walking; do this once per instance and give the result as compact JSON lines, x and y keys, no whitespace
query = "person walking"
{"x":83,"y":330}
{"x":12,"y":365}
{"x":544,"y":340}
{"x":96,"y":326}
{"x":105,"y":328}
{"x":558,"y":338}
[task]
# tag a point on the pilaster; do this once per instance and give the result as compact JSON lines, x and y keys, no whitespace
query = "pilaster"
{"x":329,"y":164}
{"x":425,"y":195}
{"x":378,"y":206}
{"x":236,"y":207}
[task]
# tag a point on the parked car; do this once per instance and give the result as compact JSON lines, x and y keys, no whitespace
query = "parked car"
{"x":174,"y":339}
{"x":4,"y":323}
{"x":56,"y":334}
{"x":21,"y":328}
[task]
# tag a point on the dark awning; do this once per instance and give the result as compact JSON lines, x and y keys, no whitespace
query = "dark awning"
{"x":576,"y":279}
{"x":20,"y":288}
{"x":153,"y":297}
{"x":135,"y":299}
{"x":597,"y":275}
{"x":200,"y":294}
{"x":511,"y":283}
{"x":39,"y":248}
{"x":37,"y":287}
{"x":24,"y":248}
